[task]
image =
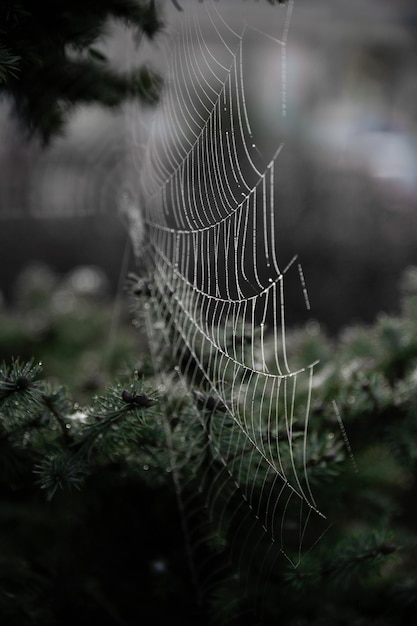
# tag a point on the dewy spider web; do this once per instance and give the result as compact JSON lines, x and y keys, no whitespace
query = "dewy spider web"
{"x":217,"y":303}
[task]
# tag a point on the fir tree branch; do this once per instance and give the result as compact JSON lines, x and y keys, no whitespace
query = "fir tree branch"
{"x":50,"y":404}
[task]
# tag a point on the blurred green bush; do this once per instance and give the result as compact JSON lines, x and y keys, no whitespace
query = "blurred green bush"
{"x":83,"y":336}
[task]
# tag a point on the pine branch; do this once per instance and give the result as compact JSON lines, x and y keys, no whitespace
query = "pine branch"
{"x":49,"y":63}
{"x":9,"y":65}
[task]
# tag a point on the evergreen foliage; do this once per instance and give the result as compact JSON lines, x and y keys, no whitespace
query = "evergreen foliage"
{"x":51,"y":61}
{"x":89,"y":524}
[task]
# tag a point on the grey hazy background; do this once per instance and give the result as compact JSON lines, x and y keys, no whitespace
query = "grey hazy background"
{"x":347,"y":178}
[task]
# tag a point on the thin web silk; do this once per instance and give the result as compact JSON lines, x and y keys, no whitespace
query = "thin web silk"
{"x":218,"y":302}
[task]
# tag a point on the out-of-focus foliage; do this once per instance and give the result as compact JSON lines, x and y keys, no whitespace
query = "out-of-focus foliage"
{"x":71,"y":325}
{"x":51,"y":59}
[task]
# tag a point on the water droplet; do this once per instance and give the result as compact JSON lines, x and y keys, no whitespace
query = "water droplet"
{"x":313,"y":327}
{"x":159,"y":566}
{"x":146,"y":467}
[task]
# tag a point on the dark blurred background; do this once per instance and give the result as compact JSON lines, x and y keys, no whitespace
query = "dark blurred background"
{"x":346,"y":179}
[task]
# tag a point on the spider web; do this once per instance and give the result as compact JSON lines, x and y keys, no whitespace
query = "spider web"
{"x":215,"y":309}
